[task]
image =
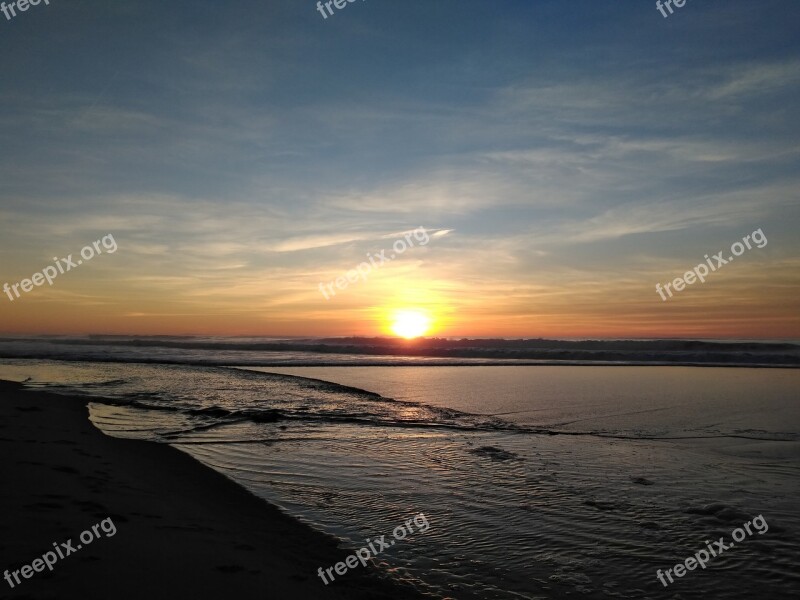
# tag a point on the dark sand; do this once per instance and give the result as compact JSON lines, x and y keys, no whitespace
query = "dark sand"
{"x":183,"y":530}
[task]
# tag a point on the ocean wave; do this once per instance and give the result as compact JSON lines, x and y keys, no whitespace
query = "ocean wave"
{"x":391,"y":351}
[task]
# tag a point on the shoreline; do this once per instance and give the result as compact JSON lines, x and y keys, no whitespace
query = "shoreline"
{"x":498,"y":362}
{"x":183,"y":530}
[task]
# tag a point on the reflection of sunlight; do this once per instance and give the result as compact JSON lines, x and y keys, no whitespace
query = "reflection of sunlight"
{"x":410,"y":323}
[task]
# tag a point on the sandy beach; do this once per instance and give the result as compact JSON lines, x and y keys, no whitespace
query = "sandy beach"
{"x":182,"y":530}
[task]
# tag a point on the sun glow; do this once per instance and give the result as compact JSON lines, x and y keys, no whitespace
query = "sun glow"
{"x":410,"y":323}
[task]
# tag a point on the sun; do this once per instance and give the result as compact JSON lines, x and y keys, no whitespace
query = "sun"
{"x":410,"y":323}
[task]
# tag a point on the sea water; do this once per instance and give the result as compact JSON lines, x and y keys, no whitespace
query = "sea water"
{"x":538,"y":482}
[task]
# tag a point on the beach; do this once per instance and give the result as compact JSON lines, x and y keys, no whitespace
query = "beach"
{"x":182,"y":530}
{"x":446,"y":300}
{"x":535,"y":481}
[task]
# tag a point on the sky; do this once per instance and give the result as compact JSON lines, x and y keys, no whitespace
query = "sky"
{"x":561,"y":157}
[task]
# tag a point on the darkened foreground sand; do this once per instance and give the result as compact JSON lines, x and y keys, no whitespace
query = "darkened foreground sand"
{"x":183,"y":530}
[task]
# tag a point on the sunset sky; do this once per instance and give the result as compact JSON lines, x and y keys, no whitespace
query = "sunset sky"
{"x":563,"y":156}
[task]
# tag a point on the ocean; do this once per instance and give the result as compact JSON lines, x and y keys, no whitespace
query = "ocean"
{"x":538,"y":480}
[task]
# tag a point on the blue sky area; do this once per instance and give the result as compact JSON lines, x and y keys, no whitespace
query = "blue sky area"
{"x":570,"y":154}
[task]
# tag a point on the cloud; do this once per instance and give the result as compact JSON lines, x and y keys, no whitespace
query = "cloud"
{"x":756,"y":78}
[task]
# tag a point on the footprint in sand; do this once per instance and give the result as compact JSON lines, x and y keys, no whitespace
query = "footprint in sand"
{"x":65,"y":469}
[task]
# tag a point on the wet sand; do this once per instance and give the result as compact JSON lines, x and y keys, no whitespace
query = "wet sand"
{"x":183,"y":530}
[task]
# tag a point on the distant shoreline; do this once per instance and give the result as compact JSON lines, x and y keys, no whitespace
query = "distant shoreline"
{"x":377,"y":363}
